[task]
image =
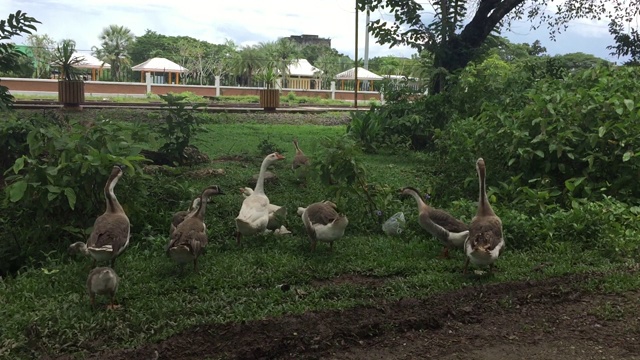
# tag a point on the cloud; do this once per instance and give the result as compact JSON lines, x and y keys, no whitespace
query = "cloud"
{"x":253,"y":21}
{"x":244,"y":21}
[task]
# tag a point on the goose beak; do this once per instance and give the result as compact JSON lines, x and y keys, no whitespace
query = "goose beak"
{"x":279,"y":157}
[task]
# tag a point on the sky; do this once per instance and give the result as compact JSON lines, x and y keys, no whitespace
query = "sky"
{"x":252,"y":21}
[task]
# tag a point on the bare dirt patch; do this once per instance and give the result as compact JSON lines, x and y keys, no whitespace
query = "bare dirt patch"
{"x":551,"y":319}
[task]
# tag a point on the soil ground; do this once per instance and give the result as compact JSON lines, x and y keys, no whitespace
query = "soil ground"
{"x":550,"y":319}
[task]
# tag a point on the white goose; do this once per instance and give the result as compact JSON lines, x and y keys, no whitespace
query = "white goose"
{"x":254,"y":213}
{"x":276,"y":213}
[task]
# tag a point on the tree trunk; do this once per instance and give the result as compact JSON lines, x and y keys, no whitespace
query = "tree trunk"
{"x":461,"y":48}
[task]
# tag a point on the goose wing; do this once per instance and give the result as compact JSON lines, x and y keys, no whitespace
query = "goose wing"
{"x":447,"y":221}
{"x":110,"y":230}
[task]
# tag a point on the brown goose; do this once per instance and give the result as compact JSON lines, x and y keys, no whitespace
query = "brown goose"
{"x":450,"y":231}
{"x":179,"y":216}
{"x":103,"y":281}
{"x":300,"y":159}
{"x":111,"y":230}
{"x":323,"y":222}
{"x":190,"y":237}
{"x":485,"y":242}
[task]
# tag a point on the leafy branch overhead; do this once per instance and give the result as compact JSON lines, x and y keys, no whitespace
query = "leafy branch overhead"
{"x":457,"y":28}
{"x":15,"y":25}
{"x":408,"y":28}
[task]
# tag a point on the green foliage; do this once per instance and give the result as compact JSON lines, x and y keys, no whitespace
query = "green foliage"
{"x":267,"y":147}
{"x":575,"y":137}
{"x":627,"y":44}
{"x":190,"y":97}
{"x":59,"y":175}
{"x":179,"y":125}
{"x":406,"y":119}
{"x":366,"y":128}
{"x":15,"y":25}
{"x":13,"y":137}
{"x":114,"y":43}
{"x":600,"y":235}
{"x":339,"y":167}
{"x":63,"y":58}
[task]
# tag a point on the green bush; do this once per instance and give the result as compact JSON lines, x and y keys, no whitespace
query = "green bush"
{"x":574,"y":138}
{"x":60,"y":179}
{"x":181,"y":121}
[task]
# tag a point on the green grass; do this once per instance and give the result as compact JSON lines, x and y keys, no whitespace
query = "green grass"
{"x":46,"y":310}
{"x":285,"y":100}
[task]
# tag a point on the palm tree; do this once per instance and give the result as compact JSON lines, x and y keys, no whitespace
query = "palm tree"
{"x":279,"y":55}
{"x":328,"y":63}
{"x":246,"y":62}
{"x":113,"y":51}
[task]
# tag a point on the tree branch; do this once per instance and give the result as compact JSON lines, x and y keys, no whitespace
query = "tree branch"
{"x":487,"y":17}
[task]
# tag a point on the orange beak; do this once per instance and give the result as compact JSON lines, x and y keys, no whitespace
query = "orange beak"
{"x":280,"y":157}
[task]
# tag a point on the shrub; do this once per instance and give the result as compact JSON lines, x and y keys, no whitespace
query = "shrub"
{"x":180,"y":124}
{"x":576,"y":135}
{"x":60,"y":180}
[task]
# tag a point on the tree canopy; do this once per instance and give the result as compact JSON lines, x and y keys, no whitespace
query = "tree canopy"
{"x":459,"y":28}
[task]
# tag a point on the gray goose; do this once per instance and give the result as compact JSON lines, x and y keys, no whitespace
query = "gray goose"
{"x":179,"y":216}
{"x":450,"y":231}
{"x":111,"y":230}
{"x":190,"y":237}
{"x":300,"y":159}
{"x":103,"y":281}
{"x":485,"y":242}
{"x":323,"y":222}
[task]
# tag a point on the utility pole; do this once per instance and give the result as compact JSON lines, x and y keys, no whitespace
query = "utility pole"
{"x":355,"y":70}
{"x":366,"y":41}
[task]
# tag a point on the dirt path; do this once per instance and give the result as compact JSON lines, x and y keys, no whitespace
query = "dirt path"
{"x":549,"y":319}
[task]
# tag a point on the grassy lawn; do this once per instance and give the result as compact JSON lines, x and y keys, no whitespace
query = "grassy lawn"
{"x":46,"y":310}
{"x":287,"y":99}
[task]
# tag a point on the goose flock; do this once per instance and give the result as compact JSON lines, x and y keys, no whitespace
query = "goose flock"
{"x":482,"y":240}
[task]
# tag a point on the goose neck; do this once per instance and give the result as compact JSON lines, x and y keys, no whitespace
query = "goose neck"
{"x":260,"y":183}
{"x":113,"y":206}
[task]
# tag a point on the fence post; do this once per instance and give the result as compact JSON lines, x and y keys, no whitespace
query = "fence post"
{"x":218,"y":92}
{"x":333,"y":90}
{"x":148,"y":81}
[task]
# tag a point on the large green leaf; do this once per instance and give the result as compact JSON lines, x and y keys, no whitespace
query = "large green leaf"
{"x":17,"y":190}
{"x":71,"y":196}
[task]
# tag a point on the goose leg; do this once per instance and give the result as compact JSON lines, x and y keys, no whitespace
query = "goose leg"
{"x":466,"y":264}
{"x":112,"y":305}
{"x":331,"y":246}
{"x":92,"y":300}
{"x":238,"y":237}
{"x":445,"y":253}
{"x":195,"y":265}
